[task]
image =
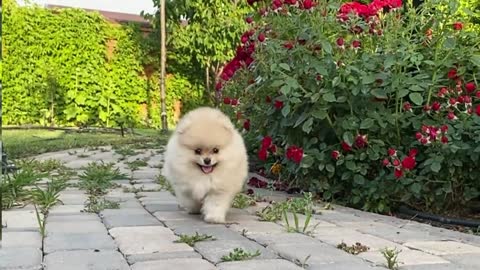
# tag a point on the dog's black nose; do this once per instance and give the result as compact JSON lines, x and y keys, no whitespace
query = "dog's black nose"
{"x":207,"y":161}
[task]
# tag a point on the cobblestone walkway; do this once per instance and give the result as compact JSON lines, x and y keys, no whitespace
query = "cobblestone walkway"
{"x":141,"y":234}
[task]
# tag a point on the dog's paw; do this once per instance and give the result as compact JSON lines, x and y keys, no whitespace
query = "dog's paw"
{"x":214,"y":219}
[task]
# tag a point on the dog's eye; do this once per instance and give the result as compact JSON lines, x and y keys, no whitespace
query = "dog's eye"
{"x":215,"y":150}
{"x":198,"y":151}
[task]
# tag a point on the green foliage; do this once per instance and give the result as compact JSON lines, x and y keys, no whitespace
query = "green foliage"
{"x":98,"y":177}
{"x":71,"y":67}
{"x":337,"y":110}
{"x":239,"y":254}
{"x":192,"y":239}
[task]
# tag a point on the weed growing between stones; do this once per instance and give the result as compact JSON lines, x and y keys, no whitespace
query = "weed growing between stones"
{"x":96,"y":204}
{"x":353,"y":249}
{"x":136,"y":164}
{"x":192,"y":239}
{"x":391,"y":256}
{"x":164,"y":184}
{"x":239,"y":254}
{"x":243,"y":200}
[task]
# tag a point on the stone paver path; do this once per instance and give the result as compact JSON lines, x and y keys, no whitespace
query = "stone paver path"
{"x":141,"y":234}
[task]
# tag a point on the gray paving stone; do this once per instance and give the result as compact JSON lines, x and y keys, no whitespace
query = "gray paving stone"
{"x":145,"y":187}
{"x":160,"y":195}
{"x":78,"y":241}
{"x":406,"y":257}
{"x":85,"y":260}
{"x":73,"y":199}
{"x":129,"y":220}
{"x":219,"y":232}
{"x":66,"y":210}
{"x":267,"y":239}
{"x":335,"y":236}
{"x":343,"y":266}
{"x":399,"y":235}
{"x":78,"y":217}
{"x":175,"y":216}
{"x":20,"y":219}
{"x":175,"y":224}
{"x":152,"y":208}
{"x":438,"y":266}
{"x":20,"y":259}
{"x":170,"y":264}
{"x":465,"y":260}
{"x":131,"y":203}
{"x":75,"y":227}
{"x":132,"y":259}
{"x":21,"y":239}
{"x":213,"y":251}
{"x":273,"y":264}
{"x":146,"y":173}
{"x":143,"y":181}
{"x":147,"y":239}
{"x":443,"y":247}
{"x":318,"y":253}
{"x":258,"y":227}
{"x":122,"y":212}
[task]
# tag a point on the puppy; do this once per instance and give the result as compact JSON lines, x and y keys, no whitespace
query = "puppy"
{"x":206,"y":163}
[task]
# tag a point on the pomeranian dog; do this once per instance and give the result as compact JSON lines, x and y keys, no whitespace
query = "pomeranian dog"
{"x":206,"y":163}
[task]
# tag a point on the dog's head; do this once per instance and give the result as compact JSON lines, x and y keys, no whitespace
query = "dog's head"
{"x":205,"y":135}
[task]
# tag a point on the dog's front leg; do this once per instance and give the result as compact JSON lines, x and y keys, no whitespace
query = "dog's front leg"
{"x":216,"y":206}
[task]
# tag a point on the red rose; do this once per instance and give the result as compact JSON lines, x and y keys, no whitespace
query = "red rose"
{"x":239,"y":115}
{"x":244,"y":38}
{"x":396,"y":163}
{"x":273,"y":148}
{"x":386,"y":162}
{"x":452,"y":101}
{"x":392,"y":152}
{"x":418,"y":135}
{"x":436,"y":106}
{"x":423,"y":140}
{"x":340,"y":42}
{"x":255,"y":182}
{"x":295,"y":154}
{"x":477,"y":94}
{"x":451,"y":116}
{"x":234,"y":102}
{"x":457,"y":26}
{"x":262,"y":11}
{"x":408,"y":163}
{"x":250,"y":191}
{"x":268,"y":99}
{"x":470,"y":87}
{"x":444,"y":128}
{"x":261,"y":37}
{"x":442,"y":92}
{"x":467,"y":99}
{"x":413,"y":152}
{"x":452,"y":74}
{"x":427,"y":108}
{"x":356,"y":44}
{"x":307,"y":4}
{"x":477,"y":110}
{"x":266,"y":142}
{"x":278,"y":104}
{"x":249,"y":19}
{"x":444,"y":139}
{"x":407,"y":106}
{"x":218,"y":86}
{"x":346,"y":147}
{"x":288,"y":45}
{"x":262,"y":154}
{"x":361,"y":141}
{"x":335,"y":154}
{"x":251,"y":2}
{"x":461,"y":99}
{"x":227,"y":101}
{"x":246,"y":125}
{"x":398,"y":173}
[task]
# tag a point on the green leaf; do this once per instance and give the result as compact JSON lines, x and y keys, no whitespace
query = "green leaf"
{"x":416,"y":188}
{"x":326,"y":46}
{"x":286,"y":110}
{"x":416,"y":98}
{"x":379,"y":93}
{"x":285,"y":89}
{"x":348,"y":138}
{"x":436,"y":166}
{"x":359,"y":179}
{"x":351,"y":165}
{"x":368,"y":79}
{"x":366,"y":123}
{"x":284,"y":66}
{"x":307,"y":126}
{"x":330,"y":168}
{"x":475,"y":59}
{"x":329,"y":97}
{"x":307,"y":162}
{"x":320,"y":114}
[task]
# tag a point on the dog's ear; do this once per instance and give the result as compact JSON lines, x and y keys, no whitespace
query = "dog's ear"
{"x":183,"y":125}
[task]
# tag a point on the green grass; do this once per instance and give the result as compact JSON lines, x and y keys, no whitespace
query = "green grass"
{"x":192,"y":239}
{"x":239,"y":254}
{"x":26,"y":143}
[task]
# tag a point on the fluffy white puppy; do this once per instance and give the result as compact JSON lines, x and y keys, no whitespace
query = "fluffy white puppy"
{"x":206,"y":163}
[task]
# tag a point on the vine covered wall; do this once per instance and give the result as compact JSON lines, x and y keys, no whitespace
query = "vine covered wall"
{"x":72,"y":67}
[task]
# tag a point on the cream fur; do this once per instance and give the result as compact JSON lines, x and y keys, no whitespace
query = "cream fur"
{"x":210,"y":194}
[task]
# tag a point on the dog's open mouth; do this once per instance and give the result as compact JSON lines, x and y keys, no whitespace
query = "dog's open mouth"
{"x":207,"y":169}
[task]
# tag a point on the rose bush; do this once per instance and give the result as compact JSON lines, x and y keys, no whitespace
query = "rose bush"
{"x":373,"y":105}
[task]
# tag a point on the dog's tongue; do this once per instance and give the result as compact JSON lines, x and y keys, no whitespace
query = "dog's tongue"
{"x":207,"y":169}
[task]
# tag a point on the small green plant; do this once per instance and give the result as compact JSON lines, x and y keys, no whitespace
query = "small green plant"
{"x":13,"y":186}
{"x":239,"y":254}
{"x":47,"y":198}
{"x":243,"y":200}
{"x":40,"y":220}
{"x":296,"y":224}
{"x":125,"y":151}
{"x":98,"y":177}
{"x":353,"y":249}
{"x":41,"y":166}
{"x":164,"y":184}
{"x":192,"y":239}
{"x":136,"y":164}
{"x":271,"y":213}
{"x":97,"y":204}
{"x":391,"y":256}
{"x":83,"y":155}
